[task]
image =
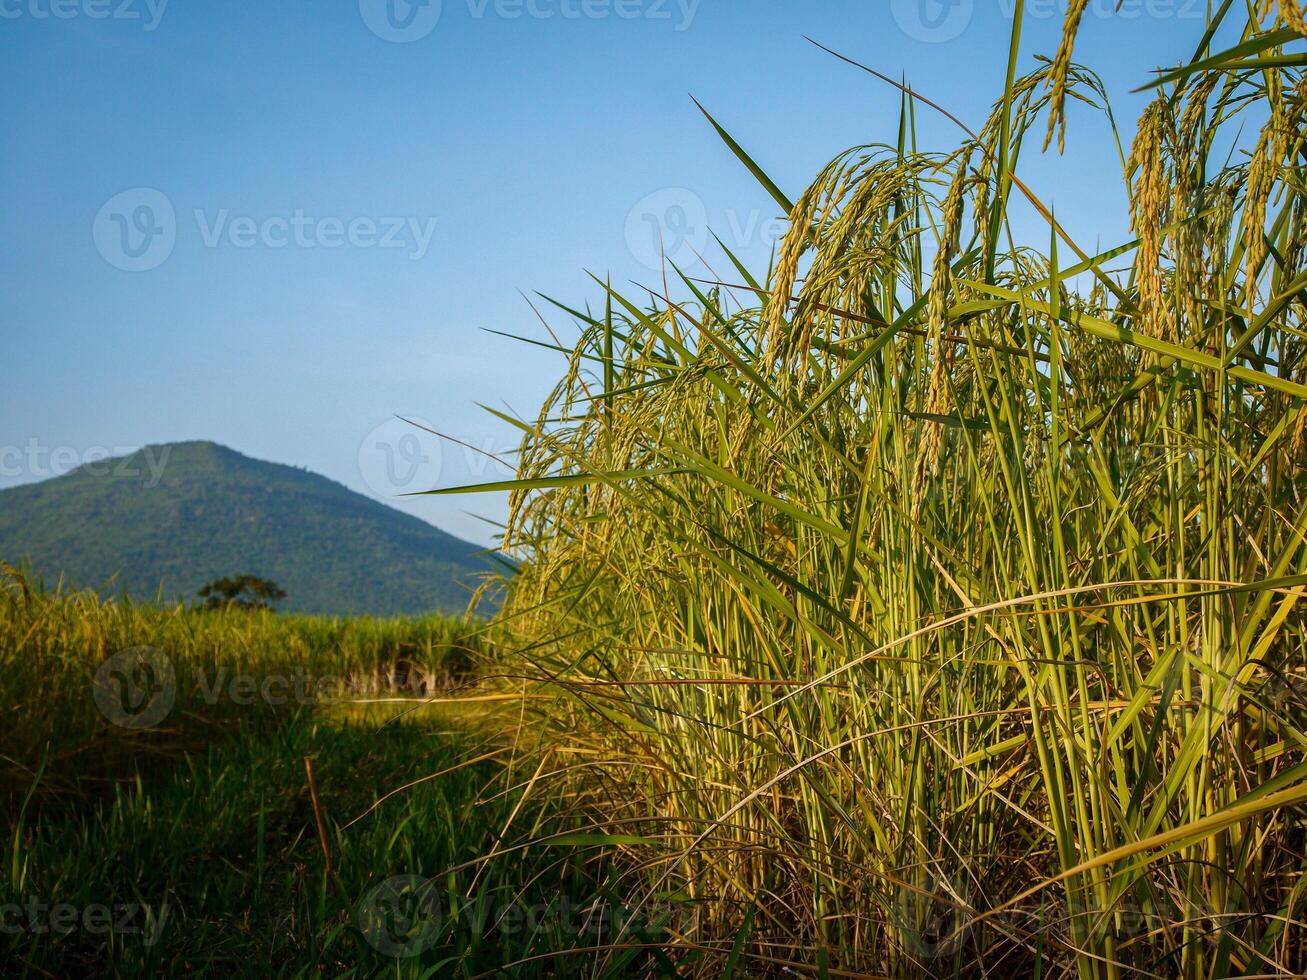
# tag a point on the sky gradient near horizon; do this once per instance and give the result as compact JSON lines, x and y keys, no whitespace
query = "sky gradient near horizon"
{"x":279,"y":225}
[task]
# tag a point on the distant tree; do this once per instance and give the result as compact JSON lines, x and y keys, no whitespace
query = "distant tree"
{"x":241,"y":592}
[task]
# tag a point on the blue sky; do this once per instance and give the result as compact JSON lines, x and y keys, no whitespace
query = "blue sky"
{"x":357,"y":191}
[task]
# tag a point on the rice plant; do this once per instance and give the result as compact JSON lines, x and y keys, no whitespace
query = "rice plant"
{"x":932,"y":605}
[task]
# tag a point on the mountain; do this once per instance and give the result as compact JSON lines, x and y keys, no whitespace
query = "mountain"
{"x":183,"y":514}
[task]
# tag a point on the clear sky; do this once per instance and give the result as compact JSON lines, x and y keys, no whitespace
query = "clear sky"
{"x":278,"y":224}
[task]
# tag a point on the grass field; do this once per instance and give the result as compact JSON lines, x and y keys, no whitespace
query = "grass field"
{"x":192,"y":845}
{"x":225,"y":670}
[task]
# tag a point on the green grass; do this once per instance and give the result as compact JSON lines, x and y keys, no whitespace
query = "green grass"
{"x":53,"y":643}
{"x":224,"y":854}
{"x":193,"y":844}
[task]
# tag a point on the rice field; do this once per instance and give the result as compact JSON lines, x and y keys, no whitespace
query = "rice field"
{"x":92,"y":686}
{"x":928,"y":604}
{"x":254,"y":794}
